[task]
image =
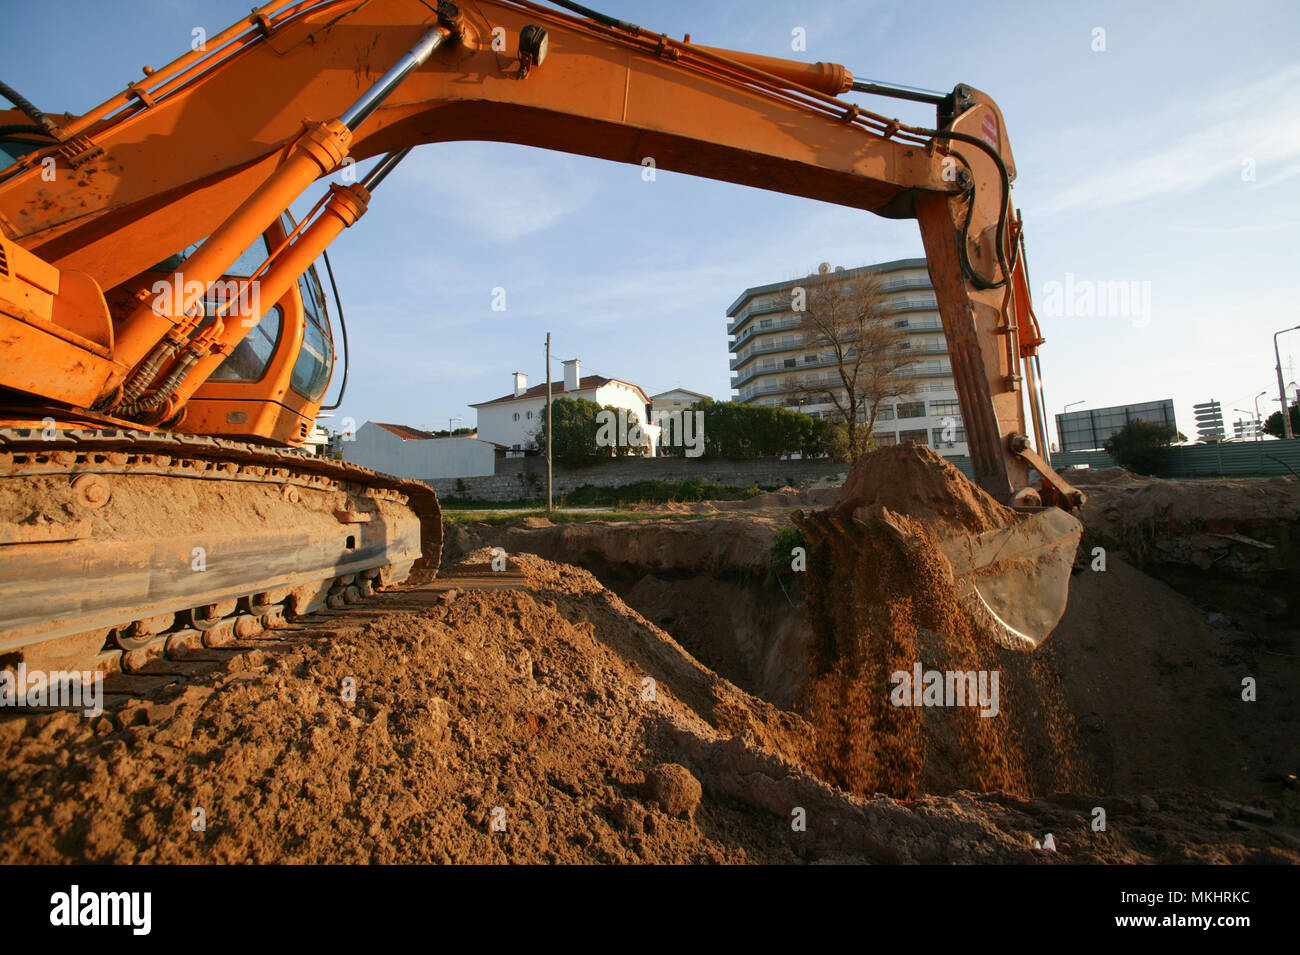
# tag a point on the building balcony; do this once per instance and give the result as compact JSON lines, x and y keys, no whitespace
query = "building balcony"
{"x":894,"y":285}
{"x":751,"y":310}
{"x":779,"y":387}
{"x":754,"y":371}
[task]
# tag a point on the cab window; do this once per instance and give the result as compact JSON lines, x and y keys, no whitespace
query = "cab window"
{"x":248,"y":262}
{"x":248,"y":360}
{"x":311,"y":372}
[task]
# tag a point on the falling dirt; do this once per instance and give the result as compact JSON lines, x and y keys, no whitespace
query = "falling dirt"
{"x":886,"y":621}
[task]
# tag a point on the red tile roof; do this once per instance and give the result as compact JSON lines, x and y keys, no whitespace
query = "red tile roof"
{"x":406,"y":433}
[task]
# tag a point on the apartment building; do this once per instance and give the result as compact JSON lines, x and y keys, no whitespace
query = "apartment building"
{"x":767,"y":346}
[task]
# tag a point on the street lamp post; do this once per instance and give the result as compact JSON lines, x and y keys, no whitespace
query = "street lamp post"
{"x":1064,"y":412}
{"x":1257,"y":418}
{"x":1281,"y":389}
{"x":450,"y":430}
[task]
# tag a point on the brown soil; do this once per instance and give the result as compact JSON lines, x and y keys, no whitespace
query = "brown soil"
{"x":911,"y":479}
{"x":880,"y":607}
{"x":527,"y":708}
{"x":555,"y":723}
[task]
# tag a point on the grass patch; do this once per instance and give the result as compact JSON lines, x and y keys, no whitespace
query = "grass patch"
{"x":495,"y":517}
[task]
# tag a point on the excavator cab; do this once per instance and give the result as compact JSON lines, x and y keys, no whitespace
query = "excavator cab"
{"x":272,"y":382}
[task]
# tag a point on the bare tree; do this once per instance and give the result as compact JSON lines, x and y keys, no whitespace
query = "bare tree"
{"x":851,"y":322}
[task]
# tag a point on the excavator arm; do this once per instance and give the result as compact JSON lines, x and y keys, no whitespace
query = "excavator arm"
{"x":215,"y":146}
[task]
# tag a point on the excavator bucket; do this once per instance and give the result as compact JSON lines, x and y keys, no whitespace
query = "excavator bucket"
{"x":1015,"y":581}
{"x":1010,"y":569}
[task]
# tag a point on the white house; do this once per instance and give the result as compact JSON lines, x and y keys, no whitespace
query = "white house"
{"x":678,"y":399}
{"x":513,"y":420}
{"x":411,"y":453}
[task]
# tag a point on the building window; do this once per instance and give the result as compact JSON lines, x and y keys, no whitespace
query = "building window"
{"x":885,"y":414}
{"x":958,"y":436}
{"x":788,"y":363}
{"x":945,"y":407}
{"x":764,"y":323}
{"x":810,"y":359}
{"x":516,"y":415}
{"x":912,"y":409}
{"x":901,"y":323}
{"x":530,"y":416}
{"x":888,"y":438}
{"x":914,"y":437}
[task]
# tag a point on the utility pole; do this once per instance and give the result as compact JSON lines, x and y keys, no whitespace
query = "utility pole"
{"x":1281,"y":389}
{"x":550,"y":434}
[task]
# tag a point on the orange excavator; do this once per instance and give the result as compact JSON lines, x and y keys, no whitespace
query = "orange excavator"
{"x":165,"y":345}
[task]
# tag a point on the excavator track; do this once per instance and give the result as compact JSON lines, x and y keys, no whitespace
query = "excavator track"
{"x":120,"y":546}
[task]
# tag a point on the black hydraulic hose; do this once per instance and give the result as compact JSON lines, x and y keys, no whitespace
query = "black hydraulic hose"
{"x":343,"y":327}
{"x":30,"y":111}
{"x":978,"y":280}
{"x":598,"y":17}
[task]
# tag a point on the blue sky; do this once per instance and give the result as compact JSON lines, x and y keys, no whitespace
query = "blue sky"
{"x":1130,"y":169}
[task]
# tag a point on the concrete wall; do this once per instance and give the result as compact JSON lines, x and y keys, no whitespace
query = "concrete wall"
{"x":525,"y":478}
{"x":380,"y":449}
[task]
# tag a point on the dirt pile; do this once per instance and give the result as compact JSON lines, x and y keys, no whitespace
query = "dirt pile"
{"x":911,"y":479}
{"x":1250,"y":527}
{"x":905,"y":690}
{"x":514,"y":726}
{"x":480,"y":709}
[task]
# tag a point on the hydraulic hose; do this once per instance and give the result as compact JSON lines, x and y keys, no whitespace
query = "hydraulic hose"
{"x":30,"y":111}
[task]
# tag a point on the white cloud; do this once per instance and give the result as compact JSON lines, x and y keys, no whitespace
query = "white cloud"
{"x":1258,"y":121}
{"x":502,"y":191}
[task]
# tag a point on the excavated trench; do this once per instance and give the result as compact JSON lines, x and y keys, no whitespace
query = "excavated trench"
{"x":707,"y":586}
{"x":1138,"y":690}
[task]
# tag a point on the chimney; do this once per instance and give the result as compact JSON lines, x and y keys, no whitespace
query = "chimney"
{"x":572,"y":374}
{"x":521,"y":383}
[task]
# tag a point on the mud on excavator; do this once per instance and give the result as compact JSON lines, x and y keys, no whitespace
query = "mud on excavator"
{"x":165,"y":344}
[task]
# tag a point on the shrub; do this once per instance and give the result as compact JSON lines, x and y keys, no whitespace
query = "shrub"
{"x":1141,"y":446}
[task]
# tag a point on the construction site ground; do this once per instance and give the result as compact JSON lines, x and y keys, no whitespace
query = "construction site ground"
{"x":632,"y":692}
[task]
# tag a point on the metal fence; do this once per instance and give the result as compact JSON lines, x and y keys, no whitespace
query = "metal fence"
{"x":1230,"y":459}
